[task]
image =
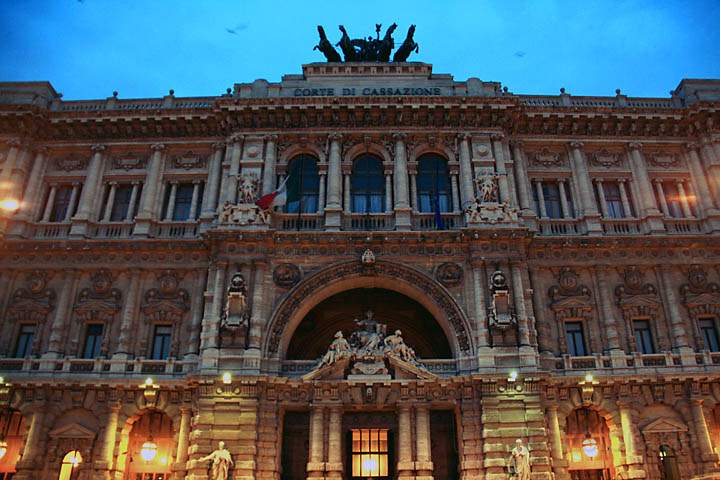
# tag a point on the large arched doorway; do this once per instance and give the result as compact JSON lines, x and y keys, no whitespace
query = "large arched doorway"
{"x":399,"y":312}
{"x":588,"y":441}
{"x":149,"y":447}
{"x":12,"y":434}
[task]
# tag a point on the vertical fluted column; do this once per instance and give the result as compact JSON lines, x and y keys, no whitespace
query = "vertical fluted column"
{"x":257,"y":319}
{"x":229,"y":167}
{"x":62,"y":313}
{"x":31,"y":198}
{"x":128,"y":314}
{"x":699,"y":179}
{"x":608,"y":319}
{"x":405,"y":461}
{"x":564,"y":206}
{"x":400,"y":179}
{"x":347,"y":208}
{"x":181,"y":455}
{"x":212,"y":187}
{"x":110,"y":202}
{"x":661,"y":197}
{"x":10,"y":162}
{"x":335,"y":453}
{"x":455,"y":190}
{"x":711,"y":159}
{"x":73,"y":199}
{"x":519,"y":297}
{"x":701,"y":431}
{"x":231,"y":194}
{"x":684,"y":204}
{"x":412,"y":171}
{"x":601,"y":197}
{"x":333,"y":206}
{"x":556,"y":446}
{"x":521,"y":178}
{"x":541,"y":199}
{"x":131,"y":204}
{"x":321,"y":192}
{"x":388,"y":191}
{"x":49,"y":203}
{"x":467,"y":192}
{"x":88,"y":196}
{"x":108,"y":445}
{"x":149,"y":195}
{"x":506,"y":195}
{"x":423,"y":465}
{"x":640,"y":175}
{"x":582,"y":178}
{"x":170,"y":210}
{"x":624,"y":198}
{"x":677,"y":325}
{"x":268,"y":182}
{"x":478,"y":272}
{"x":316,"y":465}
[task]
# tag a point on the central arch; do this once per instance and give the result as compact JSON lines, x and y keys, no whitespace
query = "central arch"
{"x":353,"y":274}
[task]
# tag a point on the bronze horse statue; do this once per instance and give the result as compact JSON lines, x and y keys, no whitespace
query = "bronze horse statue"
{"x":326,"y":47}
{"x":347,"y":47}
{"x":386,"y":45}
{"x":407,"y":47}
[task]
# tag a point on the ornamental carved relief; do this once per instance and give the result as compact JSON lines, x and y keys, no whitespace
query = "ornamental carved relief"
{"x":167,"y":303}
{"x":129,"y":162}
{"x":32,"y":304}
{"x":570,"y":300}
{"x":605,"y":159}
{"x":449,"y":274}
{"x":71,"y":162}
{"x":286,"y":275}
{"x":638,"y":300}
{"x":99,"y":303}
{"x":546,"y":158}
{"x":351,"y":269}
{"x":700,"y":296}
{"x":189,"y":160}
{"x":664,"y":160}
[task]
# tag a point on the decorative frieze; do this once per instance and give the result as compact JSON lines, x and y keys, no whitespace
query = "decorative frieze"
{"x":72,"y":162}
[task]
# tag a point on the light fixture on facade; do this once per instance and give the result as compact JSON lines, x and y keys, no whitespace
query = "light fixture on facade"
{"x":149,"y":382}
{"x":9,"y":204}
{"x":227,"y":378}
{"x":589,"y":378}
{"x":74,"y":458}
{"x":512,"y":376}
{"x":3,"y":449}
{"x":590,"y":446}
{"x":149,"y":450}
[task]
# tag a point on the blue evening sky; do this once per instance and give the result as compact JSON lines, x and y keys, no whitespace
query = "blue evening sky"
{"x":142,"y":48}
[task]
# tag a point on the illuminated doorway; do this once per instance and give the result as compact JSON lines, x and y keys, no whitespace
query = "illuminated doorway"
{"x":588,"y":441}
{"x":370,"y":445}
{"x":150,"y":447}
{"x":12,"y":433}
{"x":69,"y":467}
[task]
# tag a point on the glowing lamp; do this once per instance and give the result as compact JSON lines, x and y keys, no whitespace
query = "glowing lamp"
{"x":3,"y":449}
{"x":149,"y":450}
{"x":576,"y":457}
{"x":74,"y":458}
{"x":369,"y":467}
{"x":513,"y":376}
{"x":9,"y":204}
{"x":227,"y":378}
{"x":590,"y":447}
{"x":589,"y":378}
{"x":149,"y":381}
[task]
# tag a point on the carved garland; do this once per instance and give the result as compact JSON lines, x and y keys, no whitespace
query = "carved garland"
{"x":353,"y":269}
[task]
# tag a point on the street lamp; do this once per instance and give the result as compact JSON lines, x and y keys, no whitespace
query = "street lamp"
{"x":149,"y":450}
{"x":590,"y":446}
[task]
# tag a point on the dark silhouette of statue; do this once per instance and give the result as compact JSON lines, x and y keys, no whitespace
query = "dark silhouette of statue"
{"x":407,"y":47}
{"x":367,"y":50}
{"x":326,"y":47}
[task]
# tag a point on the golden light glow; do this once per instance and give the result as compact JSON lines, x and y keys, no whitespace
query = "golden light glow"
{"x":227,"y":378}
{"x":149,"y":450}
{"x":163,"y":460}
{"x":9,"y":204}
{"x":3,"y":449}
{"x":513,"y":375}
{"x":370,"y":467}
{"x":149,"y":381}
{"x":370,"y":453}
{"x":74,"y":458}
{"x":589,"y":378}
{"x":590,"y":447}
{"x":576,"y":456}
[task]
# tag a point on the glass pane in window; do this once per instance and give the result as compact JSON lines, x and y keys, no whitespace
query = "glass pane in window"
{"x":183,"y":202}
{"x":93,"y":340}
{"x":161,"y":342}
{"x":551,"y":194}
{"x":709,"y":333}
{"x":433,"y":185}
{"x":25,"y":341}
{"x":61,"y":204}
{"x":575,"y":339}
{"x":367,"y":185}
{"x":613,"y":200}
{"x":121,"y":203}
{"x":643,"y":336}
{"x":303,"y":185}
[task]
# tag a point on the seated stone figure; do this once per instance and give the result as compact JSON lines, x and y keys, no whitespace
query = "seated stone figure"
{"x":339,"y":349}
{"x":395,"y":345}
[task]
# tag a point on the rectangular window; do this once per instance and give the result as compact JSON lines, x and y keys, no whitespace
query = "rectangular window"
{"x":708,"y":329}
{"x":23,"y":348}
{"x":674,"y":199}
{"x":183,"y":202}
{"x":613,"y":199}
{"x":121,"y":203}
{"x":93,"y":340}
{"x":61,"y":203}
{"x":553,"y":200}
{"x":369,"y":453}
{"x":643,"y":336}
{"x":575,"y":339}
{"x":161,"y":342}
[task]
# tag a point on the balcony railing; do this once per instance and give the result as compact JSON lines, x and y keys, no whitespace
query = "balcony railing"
{"x":369,"y":221}
{"x":140,"y":366}
{"x":683,"y":225}
{"x":174,"y":229}
{"x":427,"y":221}
{"x":293,"y":221}
{"x":561,"y":226}
{"x":111,"y":229}
{"x":621,"y":226}
{"x":443,"y":367}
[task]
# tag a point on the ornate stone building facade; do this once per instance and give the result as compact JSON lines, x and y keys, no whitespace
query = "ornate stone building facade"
{"x":552,"y":264}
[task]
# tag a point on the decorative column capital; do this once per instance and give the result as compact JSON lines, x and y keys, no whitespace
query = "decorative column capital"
{"x":576,"y":145}
{"x":347,"y":169}
{"x":463,"y":136}
{"x":112,"y":183}
{"x":115,"y":407}
{"x":399,"y":136}
{"x":184,"y":410}
{"x":271,"y":137}
{"x":335,"y":137}
{"x":218,"y":145}
{"x":236,"y":138}
{"x":497,"y":136}
{"x":97,"y":148}
{"x":157,"y":147}
{"x":14,"y":142}
{"x":632,"y":146}
{"x":517,"y":144}
{"x":40,"y":149}
{"x":692,"y":146}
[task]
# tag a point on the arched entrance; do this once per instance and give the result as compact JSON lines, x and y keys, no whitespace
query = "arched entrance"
{"x":390,"y":276}
{"x":399,"y":312}
{"x":149,"y":447}
{"x":12,"y":433}
{"x":588,"y":442}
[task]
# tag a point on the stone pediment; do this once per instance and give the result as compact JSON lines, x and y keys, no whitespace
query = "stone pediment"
{"x":398,"y":369}
{"x":572,"y":302}
{"x":706,"y":298}
{"x":73,"y":430}
{"x":665,"y":425}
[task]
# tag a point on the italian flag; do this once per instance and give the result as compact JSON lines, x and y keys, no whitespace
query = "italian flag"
{"x":276,"y":198}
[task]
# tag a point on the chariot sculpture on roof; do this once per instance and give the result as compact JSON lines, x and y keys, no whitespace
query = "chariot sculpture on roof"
{"x":367,"y":50}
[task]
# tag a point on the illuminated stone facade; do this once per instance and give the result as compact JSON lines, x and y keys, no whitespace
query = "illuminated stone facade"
{"x":553,"y":261}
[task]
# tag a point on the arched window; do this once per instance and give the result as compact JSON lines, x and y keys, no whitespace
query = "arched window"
{"x":433,"y":184}
{"x":69,"y":465}
{"x":303,"y":185}
{"x":367,"y":185}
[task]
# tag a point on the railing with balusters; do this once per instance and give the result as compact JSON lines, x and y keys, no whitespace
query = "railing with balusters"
{"x":369,"y":221}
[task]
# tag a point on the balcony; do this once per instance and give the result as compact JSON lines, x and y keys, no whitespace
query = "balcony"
{"x":105,"y":366}
{"x":683,"y":226}
{"x":294,"y":221}
{"x":50,"y":230}
{"x":561,"y":226}
{"x":111,"y":229}
{"x":174,"y":229}
{"x":368,"y":221}
{"x":442,"y":367}
{"x":621,"y":226}
{"x":426,"y":221}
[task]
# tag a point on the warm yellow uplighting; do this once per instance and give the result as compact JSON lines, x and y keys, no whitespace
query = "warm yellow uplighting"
{"x":589,"y":378}
{"x":149,"y":381}
{"x":163,"y":460}
{"x":576,"y":456}
{"x":148,"y":451}
{"x":370,"y":467}
{"x":9,"y":204}
{"x":73,"y":458}
{"x":513,"y":375}
{"x":3,"y":449}
{"x":227,"y":378}
{"x":590,"y":447}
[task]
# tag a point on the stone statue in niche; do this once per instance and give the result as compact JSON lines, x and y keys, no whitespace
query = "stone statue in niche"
{"x":501,"y":312}
{"x":221,"y":463}
{"x":520,"y":461}
{"x":236,"y":314}
{"x":247,"y":188}
{"x":487,"y":187}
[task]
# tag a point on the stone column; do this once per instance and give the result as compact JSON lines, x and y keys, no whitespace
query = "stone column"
{"x":334,"y":464}
{"x":346,"y":191}
{"x":231,"y":191}
{"x":609,"y":319}
{"x":226,"y":194}
{"x":316,"y":465}
{"x":711,"y":159}
{"x":211,"y":319}
{"x":181,"y":455}
{"x":661,"y":196}
{"x":541,"y":199}
{"x":467,"y":192}
{"x":73,"y":199}
{"x":405,"y":465}
{"x":582,"y":178}
{"x":333,"y":208}
{"x":479,"y":289}
{"x":699,"y":179}
{"x":601,"y":196}
{"x":702,"y":433}
{"x":10,"y":161}
{"x":32,"y":441}
{"x":680,"y":342}
{"x":148,"y":198}
{"x":212,"y":187}
{"x":400,"y":177}
{"x":412,"y":171}
{"x":108,"y":445}
{"x":388,"y":191}
{"x":127,"y":317}
{"x":519,"y":300}
{"x":624,"y":198}
{"x":49,"y":204}
{"x":455,"y":192}
{"x":257,"y":320}
{"x":646,"y":202}
{"x":131,"y":205}
{"x":522,"y":179}
{"x":321,"y":193}
{"x":556,"y":446}
{"x":544,"y":337}
{"x":506,"y":196}
{"x":31,"y":198}
{"x":626,"y":425}
{"x":169,"y":211}
{"x":62,"y":314}
{"x":88,"y":196}
{"x":687,"y":212}
{"x":423,"y":464}
{"x":268,"y":182}
{"x":110,"y":201}
{"x":564,"y":206}
{"x":194,"y":201}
